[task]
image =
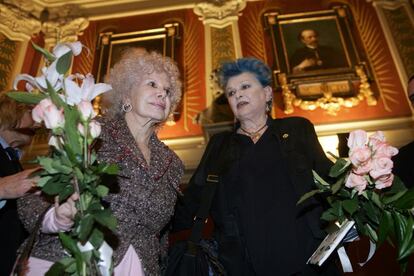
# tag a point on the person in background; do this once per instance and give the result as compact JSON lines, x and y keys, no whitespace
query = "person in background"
{"x":15,"y":132}
{"x":403,"y":161}
{"x":146,"y":90}
{"x":267,"y":166}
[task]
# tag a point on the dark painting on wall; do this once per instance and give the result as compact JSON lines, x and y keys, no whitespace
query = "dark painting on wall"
{"x":111,"y":45}
{"x":313,"y":45}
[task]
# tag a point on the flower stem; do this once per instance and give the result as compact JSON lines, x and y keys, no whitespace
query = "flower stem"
{"x":76,"y":188}
{"x":85,"y":145}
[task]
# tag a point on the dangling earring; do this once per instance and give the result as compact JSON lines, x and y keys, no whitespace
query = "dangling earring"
{"x":269,"y":105}
{"x":126,"y":107}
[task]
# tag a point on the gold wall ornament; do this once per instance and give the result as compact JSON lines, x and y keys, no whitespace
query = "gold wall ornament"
{"x":17,"y":24}
{"x":328,"y":101}
{"x":63,"y":30}
{"x":288,"y":96}
{"x":364,"y":87}
{"x":219,"y":9}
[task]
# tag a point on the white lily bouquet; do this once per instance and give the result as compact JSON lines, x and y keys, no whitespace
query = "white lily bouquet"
{"x":63,"y":104}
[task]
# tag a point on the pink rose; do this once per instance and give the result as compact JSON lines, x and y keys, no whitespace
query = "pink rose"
{"x":384,"y":181}
{"x":384,"y":149}
{"x":95,"y":129}
{"x":378,"y":136}
{"x":38,"y":112}
{"x":359,"y":155}
{"x":357,"y":182}
{"x":363,"y":168}
{"x":81,"y":129}
{"x":86,"y":110}
{"x":381,"y":166}
{"x":357,"y":138}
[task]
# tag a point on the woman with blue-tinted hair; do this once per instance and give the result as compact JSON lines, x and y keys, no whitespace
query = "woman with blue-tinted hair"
{"x":264,"y":166}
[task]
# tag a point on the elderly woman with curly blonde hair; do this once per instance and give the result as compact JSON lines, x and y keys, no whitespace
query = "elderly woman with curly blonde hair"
{"x":146,"y":90}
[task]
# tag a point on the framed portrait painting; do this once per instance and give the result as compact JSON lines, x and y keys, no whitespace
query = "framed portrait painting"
{"x":315,"y":53}
{"x":111,"y":45}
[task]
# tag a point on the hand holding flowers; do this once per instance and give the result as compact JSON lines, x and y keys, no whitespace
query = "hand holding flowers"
{"x":366,"y":191}
{"x":71,"y":173}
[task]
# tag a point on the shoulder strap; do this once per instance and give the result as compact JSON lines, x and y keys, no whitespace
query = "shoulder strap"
{"x":212,"y":180}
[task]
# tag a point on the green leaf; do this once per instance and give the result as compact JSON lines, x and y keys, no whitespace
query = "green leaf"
{"x":339,"y":167}
{"x":105,"y":218}
{"x":404,"y":249}
{"x":320,"y":179}
{"x":70,"y":244}
{"x":96,"y":238}
{"x":85,"y":227}
{"x":385,"y":226}
{"x":408,"y":251}
{"x":372,"y":234}
{"x":406,"y":201}
{"x":26,"y":97}
{"x":376,"y":200}
{"x":72,"y":135}
{"x":58,"y":166}
{"x":54,"y":187}
{"x":78,"y":174}
{"x":102,"y":190}
{"x":46,"y":163}
{"x":43,"y":180}
{"x":302,"y":199}
{"x":111,"y":169}
{"x":44,"y":52}
{"x":57,"y":269}
{"x":350,"y":205}
{"x":328,"y":215}
{"x":372,"y":212}
{"x":64,"y":62}
{"x":400,"y":225}
{"x":338,"y":185}
{"x":392,"y":198}
{"x":66,"y":192}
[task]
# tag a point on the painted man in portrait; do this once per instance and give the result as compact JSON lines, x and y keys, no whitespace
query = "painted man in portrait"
{"x":313,"y":56}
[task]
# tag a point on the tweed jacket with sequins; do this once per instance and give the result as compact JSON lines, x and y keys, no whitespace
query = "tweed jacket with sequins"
{"x":143,"y":201}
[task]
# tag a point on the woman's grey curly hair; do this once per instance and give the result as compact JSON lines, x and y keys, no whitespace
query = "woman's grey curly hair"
{"x":128,"y":71}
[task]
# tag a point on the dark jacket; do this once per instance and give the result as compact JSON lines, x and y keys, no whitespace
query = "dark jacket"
{"x":302,"y":152}
{"x":11,"y":230}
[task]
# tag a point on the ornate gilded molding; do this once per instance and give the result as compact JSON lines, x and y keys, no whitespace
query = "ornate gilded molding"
{"x":17,"y":24}
{"x":219,"y":9}
{"x":397,"y":21}
{"x":327,"y":102}
{"x":63,"y":30}
{"x":22,"y":18}
{"x":221,"y":35}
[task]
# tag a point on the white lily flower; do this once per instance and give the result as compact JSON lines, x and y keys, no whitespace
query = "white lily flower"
{"x":49,"y":73}
{"x":87,"y":92}
{"x":62,"y":48}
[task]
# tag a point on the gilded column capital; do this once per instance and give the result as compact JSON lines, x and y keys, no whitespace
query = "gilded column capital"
{"x":64,"y":30}
{"x":17,"y":24}
{"x":219,"y":9}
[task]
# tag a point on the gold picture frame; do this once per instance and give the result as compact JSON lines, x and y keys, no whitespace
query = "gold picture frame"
{"x":111,"y":45}
{"x":317,"y":63}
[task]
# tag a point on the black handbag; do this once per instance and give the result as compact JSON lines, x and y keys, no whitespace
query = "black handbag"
{"x":197,"y":256}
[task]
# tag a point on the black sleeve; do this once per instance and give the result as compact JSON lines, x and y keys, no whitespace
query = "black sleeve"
{"x":321,"y":163}
{"x":188,"y":204}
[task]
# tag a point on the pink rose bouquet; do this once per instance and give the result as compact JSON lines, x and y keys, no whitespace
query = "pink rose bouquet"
{"x":362,"y":188}
{"x":63,"y":104}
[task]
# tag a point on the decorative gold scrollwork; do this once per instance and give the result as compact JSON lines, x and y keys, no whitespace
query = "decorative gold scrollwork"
{"x":327,"y":102}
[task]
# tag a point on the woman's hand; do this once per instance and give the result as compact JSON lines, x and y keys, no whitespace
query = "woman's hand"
{"x":65,"y":213}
